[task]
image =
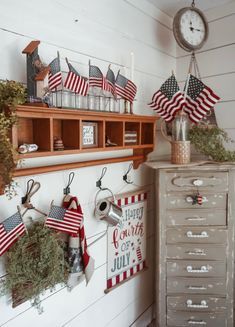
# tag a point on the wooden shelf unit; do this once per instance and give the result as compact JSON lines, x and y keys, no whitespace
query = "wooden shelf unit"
{"x":41,"y":125}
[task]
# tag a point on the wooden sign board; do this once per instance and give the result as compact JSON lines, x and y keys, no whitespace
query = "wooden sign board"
{"x":127,"y":243}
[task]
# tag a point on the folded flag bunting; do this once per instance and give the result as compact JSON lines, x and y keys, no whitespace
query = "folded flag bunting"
{"x":55,"y":76}
{"x":200,"y":99}
{"x":10,"y":230}
{"x":96,"y":77}
{"x":64,"y":220}
{"x":74,"y":82}
{"x":110,"y":81}
{"x":168,"y":99}
{"x":125,"y":88}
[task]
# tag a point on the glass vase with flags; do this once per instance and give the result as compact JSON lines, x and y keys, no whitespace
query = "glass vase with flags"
{"x":77,"y":84}
{"x":126,"y":89}
{"x":55,"y":81}
{"x":97,"y":83}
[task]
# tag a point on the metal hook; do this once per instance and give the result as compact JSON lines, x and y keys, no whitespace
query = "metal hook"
{"x":99,"y":183}
{"x":32,"y":188}
{"x":71,"y":177}
{"x":193,"y":3}
{"x":125,"y":177}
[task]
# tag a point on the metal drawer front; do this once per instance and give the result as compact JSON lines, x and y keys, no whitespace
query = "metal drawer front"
{"x":203,"y":319}
{"x":199,"y":303}
{"x":199,"y":252}
{"x":202,"y":180}
{"x":196,"y":235}
{"x":197,"y":285}
{"x":198,"y":217}
{"x":195,"y":268}
{"x":210,"y":200}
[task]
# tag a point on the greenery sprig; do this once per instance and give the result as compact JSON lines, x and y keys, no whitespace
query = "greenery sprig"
{"x":210,"y":142}
{"x":34,"y":264}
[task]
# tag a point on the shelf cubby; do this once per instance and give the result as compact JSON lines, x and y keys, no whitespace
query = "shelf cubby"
{"x":68,"y":131}
{"x":147,"y":133}
{"x":114,"y":132}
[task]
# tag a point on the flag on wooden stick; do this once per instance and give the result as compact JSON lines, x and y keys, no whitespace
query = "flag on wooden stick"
{"x":55,"y":76}
{"x":168,"y":99}
{"x":125,"y":88}
{"x":74,"y":82}
{"x":10,"y":230}
{"x":200,"y":99}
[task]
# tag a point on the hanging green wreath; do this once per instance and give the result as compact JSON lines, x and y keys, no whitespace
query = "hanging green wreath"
{"x":210,"y":141}
{"x":34,"y":264}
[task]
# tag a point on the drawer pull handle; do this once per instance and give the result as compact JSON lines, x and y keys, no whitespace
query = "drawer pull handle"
{"x":194,"y":199}
{"x":199,"y":252}
{"x":202,"y":288}
{"x":202,"y":235}
{"x":202,"y":305}
{"x":203,"y":269}
{"x":197,"y":182}
{"x":195,"y":218}
{"x":197,"y":322}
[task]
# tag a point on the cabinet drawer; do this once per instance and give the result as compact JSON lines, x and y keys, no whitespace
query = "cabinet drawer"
{"x":199,"y":251}
{"x":196,"y":235}
{"x":201,"y":180}
{"x":197,"y":217}
{"x":196,"y":268}
{"x":197,"y":285}
{"x":187,"y":319}
{"x":200,"y":303}
{"x":210,"y":200}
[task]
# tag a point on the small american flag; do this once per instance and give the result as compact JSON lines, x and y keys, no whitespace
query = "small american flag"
{"x":139,"y":255}
{"x":75,"y":82}
{"x":64,"y":220}
{"x":96,"y":77}
{"x":10,"y":230}
{"x":200,"y":99}
{"x":55,"y":76}
{"x":125,"y":88}
{"x":168,"y":99}
{"x":110,"y":79}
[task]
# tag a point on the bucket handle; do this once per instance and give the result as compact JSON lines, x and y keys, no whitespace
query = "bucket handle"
{"x":104,"y":189}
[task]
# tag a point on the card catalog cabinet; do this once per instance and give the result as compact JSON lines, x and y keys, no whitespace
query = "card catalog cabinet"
{"x":195,"y":247}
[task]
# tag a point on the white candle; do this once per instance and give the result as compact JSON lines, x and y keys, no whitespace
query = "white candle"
{"x":132,"y":65}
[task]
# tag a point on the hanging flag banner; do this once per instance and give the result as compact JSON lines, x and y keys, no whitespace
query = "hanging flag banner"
{"x":127,"y":243}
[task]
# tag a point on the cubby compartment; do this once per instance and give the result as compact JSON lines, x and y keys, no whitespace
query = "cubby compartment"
{"x":33,"y":131}
{"x":114,"y":133}
{"x":92,"y":134}
{"x":67,"y":131}
{"x":147,"y":133}
{"x":132,"y":133}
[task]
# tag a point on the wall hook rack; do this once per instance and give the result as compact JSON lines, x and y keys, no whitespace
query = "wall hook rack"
{"x":67,"y":188}
{"x":99,"y":183}
{"x":126,"y":177}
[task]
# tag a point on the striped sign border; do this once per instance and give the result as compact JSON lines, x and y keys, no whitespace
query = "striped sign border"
{"x":131,"y":199}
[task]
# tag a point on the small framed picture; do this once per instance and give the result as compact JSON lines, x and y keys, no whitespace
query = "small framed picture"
{"x":89,"y":134}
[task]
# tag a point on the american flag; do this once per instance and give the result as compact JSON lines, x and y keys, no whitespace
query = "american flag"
{"x":168,"y":99}
{"x":200,"y":99}
{"x":55,"y":76}
{"x":96,"y":77}
{"x":110,"y":79}
{"x":125,"y":88}
{"x":64,"y":220}
{"x":10,"y":230}
{"x":75,"y":82}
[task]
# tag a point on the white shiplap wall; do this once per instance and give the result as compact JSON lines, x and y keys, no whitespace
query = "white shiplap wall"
{"x":216,"y":63}
{"x":106,"y":32}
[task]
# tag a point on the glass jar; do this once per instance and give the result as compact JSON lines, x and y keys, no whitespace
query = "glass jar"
{"x":180,"y":127}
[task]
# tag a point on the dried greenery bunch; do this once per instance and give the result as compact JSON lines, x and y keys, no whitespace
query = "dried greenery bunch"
{"x":11,"y":94}
{"x":36,"y":262}
{"x":210,"y":141}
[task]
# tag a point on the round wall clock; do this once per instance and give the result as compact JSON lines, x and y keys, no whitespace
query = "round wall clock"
{"x":190,"y":28}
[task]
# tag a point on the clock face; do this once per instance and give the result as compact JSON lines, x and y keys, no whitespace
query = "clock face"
{"x":190,"y":28}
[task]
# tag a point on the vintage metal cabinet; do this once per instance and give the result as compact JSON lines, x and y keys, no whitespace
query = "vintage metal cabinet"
{"x":195,"y":246}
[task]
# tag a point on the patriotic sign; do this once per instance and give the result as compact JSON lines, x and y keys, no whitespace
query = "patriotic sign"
{"x":168,"y":99}
{"x":125,"y":88}
{"x":127,"y":243}
{"x":64,"y":220}
{"x":74,"y":82}
{"x":200,"y":99}
{"x":55,"y":76}
{"x":10,"y":230}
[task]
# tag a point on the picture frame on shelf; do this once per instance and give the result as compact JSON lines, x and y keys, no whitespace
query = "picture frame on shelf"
{"x":89,"y":134}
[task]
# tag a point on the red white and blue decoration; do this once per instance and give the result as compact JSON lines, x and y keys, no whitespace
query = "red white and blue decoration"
{"x":127,"y":243}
